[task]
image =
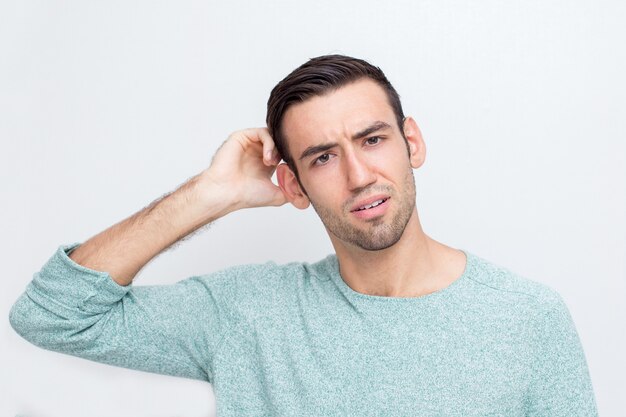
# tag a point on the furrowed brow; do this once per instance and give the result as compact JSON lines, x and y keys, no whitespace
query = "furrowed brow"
{"x":376,"y":126}
{"x":312,"y":150}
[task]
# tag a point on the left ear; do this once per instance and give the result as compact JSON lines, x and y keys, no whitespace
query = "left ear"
{"x":417,"y":147}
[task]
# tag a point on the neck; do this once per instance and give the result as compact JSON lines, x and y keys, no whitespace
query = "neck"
{"x":416,"y":265}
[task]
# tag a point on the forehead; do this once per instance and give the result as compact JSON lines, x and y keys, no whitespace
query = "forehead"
{"x":336,"y":115}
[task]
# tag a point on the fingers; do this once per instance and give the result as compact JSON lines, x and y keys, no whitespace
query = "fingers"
{"x":261,"y":134}
{"x":270,"y":154}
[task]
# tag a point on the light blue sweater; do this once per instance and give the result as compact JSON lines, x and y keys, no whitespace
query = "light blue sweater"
{"x":295,"y":340}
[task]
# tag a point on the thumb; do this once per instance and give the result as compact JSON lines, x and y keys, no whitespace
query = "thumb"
{"x":279,"y":197}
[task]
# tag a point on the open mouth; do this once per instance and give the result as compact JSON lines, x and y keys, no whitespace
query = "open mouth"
{"x":372,"y":205}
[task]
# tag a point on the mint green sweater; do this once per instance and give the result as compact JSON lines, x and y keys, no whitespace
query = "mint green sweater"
{"x":295,"y":340}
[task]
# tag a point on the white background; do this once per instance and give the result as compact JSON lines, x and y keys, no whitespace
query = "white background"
{"x":106,"y":105}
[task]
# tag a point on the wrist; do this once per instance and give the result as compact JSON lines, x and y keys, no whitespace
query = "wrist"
{"x":211,"y":197}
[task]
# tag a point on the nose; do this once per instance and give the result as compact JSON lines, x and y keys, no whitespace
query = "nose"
{"x":358,"y":172}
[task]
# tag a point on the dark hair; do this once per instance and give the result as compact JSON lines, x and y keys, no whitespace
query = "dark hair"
{"x":317,"y":77}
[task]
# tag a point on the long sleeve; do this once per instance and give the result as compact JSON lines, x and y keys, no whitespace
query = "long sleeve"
{"x":561,"y":384}
{"x":166,"y":329}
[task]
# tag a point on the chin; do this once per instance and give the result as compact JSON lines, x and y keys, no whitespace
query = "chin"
{"x":378,"y":244}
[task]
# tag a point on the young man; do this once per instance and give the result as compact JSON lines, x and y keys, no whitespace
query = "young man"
{"x":393,"y":324}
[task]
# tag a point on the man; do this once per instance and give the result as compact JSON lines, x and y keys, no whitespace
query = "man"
{"x":393,"y":324}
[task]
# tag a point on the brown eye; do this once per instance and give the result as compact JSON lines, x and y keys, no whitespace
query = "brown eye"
{"x":374,"y":140}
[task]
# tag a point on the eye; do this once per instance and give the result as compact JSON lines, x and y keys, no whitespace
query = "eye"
{"x":374,"y":140}
{"x":322,"y":159}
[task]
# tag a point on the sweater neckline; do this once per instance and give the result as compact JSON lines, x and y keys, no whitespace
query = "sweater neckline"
{"x":352,"y":294}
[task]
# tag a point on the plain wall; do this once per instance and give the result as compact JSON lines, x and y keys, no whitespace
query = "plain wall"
{"x":105,"y":106}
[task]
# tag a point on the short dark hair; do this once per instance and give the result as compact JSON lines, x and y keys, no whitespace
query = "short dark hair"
{"x":316,"y":77}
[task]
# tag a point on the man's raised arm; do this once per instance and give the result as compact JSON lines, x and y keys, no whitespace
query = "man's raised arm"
{"x":80,"y":302}
{"x":239,"y":177}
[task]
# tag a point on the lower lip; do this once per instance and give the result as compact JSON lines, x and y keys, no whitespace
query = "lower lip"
{"x":374,"y":212}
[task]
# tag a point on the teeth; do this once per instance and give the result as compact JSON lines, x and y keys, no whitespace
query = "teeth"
{"x":374,"y":204}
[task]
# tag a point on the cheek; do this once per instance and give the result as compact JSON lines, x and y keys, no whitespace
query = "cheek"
{"x":392,"y":161}
{"x":327,"y":192}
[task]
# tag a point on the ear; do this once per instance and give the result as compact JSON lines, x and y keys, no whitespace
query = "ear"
{"x":289,"y":185}
{"x":417,"y":147}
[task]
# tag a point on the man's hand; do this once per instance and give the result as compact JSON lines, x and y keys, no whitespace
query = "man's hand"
{"x":243,"y":167}
{"x":239,"y":177}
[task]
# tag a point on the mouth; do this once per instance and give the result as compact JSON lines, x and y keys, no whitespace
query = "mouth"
{"x":371,"y":205}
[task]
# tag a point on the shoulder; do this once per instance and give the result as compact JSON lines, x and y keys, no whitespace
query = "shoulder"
{"x":501,"y":296}
{"x":265,"y":283}
{"x":496,"y":280}
{"x":264,"y":275}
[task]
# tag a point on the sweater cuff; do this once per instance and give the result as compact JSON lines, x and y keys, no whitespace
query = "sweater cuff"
{"x":72,"y":290}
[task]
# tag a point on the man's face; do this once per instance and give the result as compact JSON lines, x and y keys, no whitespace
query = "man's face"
{"x":353,"y":163}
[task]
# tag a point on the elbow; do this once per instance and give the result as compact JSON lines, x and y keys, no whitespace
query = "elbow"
{"x":21,"y":317}
{"x":37,"y":325}
{"x":53,"y":330}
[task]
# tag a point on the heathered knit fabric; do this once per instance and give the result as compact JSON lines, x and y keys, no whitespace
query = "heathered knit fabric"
{"x":296,"y":340}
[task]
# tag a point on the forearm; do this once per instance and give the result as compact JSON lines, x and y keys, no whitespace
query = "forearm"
{"x":126,"y":247}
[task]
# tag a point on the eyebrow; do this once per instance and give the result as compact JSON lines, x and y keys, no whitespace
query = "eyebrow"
{"x":374,"y":127}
